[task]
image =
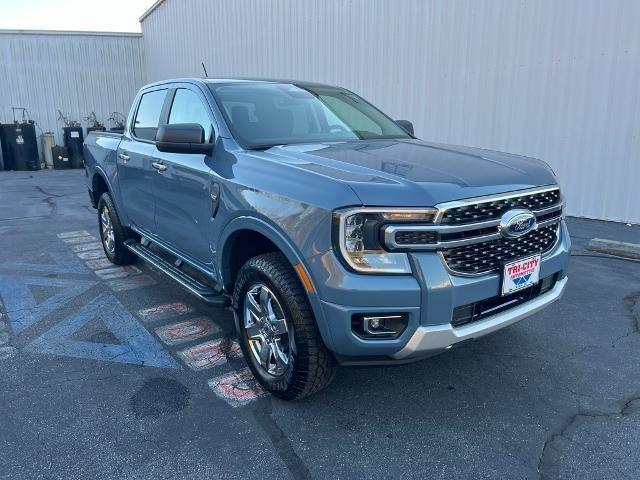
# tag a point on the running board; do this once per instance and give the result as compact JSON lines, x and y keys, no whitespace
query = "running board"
{"x":195,"y":286}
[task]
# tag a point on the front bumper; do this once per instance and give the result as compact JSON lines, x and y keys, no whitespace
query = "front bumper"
{"x":428,"y":297}
{"x":427,"y":341}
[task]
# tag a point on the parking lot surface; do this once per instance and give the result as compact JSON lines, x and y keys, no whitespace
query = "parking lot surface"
{"x":118,"y":373}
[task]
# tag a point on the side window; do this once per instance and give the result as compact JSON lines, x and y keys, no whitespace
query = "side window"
{"x":188,"y":108}
{"x":148,"y":115}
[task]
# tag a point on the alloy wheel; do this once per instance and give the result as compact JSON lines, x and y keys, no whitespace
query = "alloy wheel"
{"x":106,"y":228}
{"x":267,"y":330}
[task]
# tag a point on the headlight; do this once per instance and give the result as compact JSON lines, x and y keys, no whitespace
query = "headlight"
{"x":357,"y":238}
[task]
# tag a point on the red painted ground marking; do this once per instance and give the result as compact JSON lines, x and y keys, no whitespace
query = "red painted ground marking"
{"x":237,"y":388}
{"x":83,"y":247}
{"x":117,"y":272}
{"x":210,"y":354}
{"x":130,"y":283}
{"x":76,"y":240}
{"x":98,"y":263}
{"x":163,"y":312}
{"x":90,"y":255}
{"x":77,"y":233}
{"x":186,"y":331}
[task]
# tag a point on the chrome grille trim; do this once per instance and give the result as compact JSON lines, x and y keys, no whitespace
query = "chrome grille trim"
{"x":389,"y":232}
{"x":448,"y":206}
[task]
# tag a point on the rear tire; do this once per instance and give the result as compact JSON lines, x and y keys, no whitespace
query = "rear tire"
{"x":278,"y":333}
{"x":113,"y":234}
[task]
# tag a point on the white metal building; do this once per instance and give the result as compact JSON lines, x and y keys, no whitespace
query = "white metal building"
{"x":553,"y":79}
{"x":76,"y":72}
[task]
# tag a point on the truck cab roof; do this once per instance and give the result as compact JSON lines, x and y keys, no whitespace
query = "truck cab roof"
{"x":239,"y":80}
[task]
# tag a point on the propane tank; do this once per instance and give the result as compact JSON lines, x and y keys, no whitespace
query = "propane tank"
{"x":48,"y":142}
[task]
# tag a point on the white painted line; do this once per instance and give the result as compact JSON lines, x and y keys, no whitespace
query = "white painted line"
{"x":117,"y":272}
{"x":237,"y":388}
{"x":91,"y":254}
{"x":7,"y":352}
{"x":99,"y":263}
{"x":76,"y":240}
{"x":83,"y":247}
{"x":78,"y":233}
{"x":186,"y":331}
{"x":164,"y":311}
{"x":130,"y":283}
{"x":210,"y":354}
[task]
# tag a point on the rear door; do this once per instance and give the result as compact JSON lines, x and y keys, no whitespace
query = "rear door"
{"x":136,"y":157}
{"x":182,"y":189}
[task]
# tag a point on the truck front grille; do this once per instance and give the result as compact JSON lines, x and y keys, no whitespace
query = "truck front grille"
{"x":468,"y":236}
{"x":482,"y":211}
{"x":415,"y":238}
{"x":487,"y":256}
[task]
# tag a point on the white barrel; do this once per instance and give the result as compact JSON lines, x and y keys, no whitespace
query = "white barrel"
{"x":48,"y":142}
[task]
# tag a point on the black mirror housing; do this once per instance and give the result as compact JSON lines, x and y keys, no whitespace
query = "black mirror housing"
{"x":406,"y":125}
{"x":182,"y":138}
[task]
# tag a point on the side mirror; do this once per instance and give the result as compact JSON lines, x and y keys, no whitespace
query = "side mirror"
{"x":182,"y":138}
{"x":406,"y":125}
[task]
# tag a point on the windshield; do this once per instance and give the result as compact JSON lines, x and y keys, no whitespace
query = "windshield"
{"x":261,"y":115}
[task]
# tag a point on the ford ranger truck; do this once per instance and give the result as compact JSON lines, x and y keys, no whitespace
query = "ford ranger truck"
{"x":335,"y":235}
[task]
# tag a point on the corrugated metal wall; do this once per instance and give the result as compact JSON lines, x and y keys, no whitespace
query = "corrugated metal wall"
{"x":76,"y":73}
{"x":558,"y":80}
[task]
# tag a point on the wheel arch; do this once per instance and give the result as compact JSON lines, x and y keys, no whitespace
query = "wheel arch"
{"x":99,"y":185}
{"x":262,"y":229}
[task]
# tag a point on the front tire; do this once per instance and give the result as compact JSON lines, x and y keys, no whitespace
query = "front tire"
{"x":278,"y":333}
{"x":112,"y":233}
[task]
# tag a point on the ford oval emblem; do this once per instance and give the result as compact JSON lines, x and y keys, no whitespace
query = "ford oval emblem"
{"x":516,"y":223}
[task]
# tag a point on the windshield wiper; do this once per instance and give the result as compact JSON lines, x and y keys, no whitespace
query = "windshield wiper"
{"x":265,"y":146}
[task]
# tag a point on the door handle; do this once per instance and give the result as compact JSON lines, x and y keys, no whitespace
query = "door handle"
{"x":124,"y":157}
{"x":159,"y":166}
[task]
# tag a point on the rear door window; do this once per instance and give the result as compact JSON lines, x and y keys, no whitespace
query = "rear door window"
{"x":188,"y":108}
{"x":147,"y":118}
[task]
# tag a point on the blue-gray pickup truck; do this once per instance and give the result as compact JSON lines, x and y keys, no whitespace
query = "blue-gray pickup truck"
{"x":335,"y":235}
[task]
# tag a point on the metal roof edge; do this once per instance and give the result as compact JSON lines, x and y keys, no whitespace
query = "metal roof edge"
{"x":68,"y":32}
{"x":150,"y":10}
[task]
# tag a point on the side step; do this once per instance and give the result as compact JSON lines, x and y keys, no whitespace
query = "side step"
{"x":195,"y":286}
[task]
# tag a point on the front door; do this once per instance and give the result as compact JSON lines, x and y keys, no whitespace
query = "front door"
{"x":135,"y":157}
{"x":182,"y":187}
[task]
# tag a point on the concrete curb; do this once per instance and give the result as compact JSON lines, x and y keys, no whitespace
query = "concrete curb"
{"x":612,"y":247}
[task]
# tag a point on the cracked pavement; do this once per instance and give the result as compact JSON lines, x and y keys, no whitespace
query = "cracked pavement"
{"x":554,"y":396}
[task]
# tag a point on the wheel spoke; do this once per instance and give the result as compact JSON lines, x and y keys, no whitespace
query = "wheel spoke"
{"x":253,"y":331}
{"x":279,"y":325}
{"x":279,"y":357}
{"x":265,"y":353}
{"x":264,"y":300}
{"x":254,"y":307}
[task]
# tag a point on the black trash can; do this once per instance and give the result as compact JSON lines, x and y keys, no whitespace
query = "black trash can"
{"x":60,"y":158}
{"x":19,"y":146}
{"x":73,"y":139}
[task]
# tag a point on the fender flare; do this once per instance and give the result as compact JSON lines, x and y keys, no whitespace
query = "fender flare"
{"x":97,"y":170}
{"x":113,"y":191}
{"x":278,"y":237}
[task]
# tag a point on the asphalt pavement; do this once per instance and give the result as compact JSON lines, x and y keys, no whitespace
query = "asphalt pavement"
{"x":119,"y":373}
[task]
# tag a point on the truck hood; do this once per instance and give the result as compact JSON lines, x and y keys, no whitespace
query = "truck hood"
{"x":416,"y":173}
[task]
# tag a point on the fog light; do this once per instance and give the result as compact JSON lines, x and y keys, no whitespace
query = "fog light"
{"x":382,"y":325}
{"x":375,"y":323}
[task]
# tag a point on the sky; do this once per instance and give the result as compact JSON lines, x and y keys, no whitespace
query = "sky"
{"x":85,"y":15}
